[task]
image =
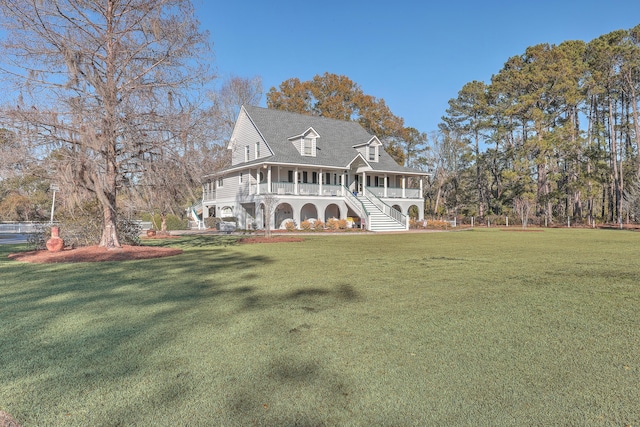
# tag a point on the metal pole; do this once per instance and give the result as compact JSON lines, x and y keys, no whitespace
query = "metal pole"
{"x":53,"y":206}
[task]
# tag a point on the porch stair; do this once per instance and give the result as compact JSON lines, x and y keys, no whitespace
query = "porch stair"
{"x":380,"y":221}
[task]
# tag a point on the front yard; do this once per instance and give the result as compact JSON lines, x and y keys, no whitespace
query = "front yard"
{"x":479,"y":327}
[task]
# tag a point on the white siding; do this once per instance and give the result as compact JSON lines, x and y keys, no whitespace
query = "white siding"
{"x":229,"y":188}
{"x":246,"y":134}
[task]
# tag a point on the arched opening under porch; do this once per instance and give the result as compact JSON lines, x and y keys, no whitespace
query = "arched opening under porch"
{"x":331,"y":211}
{"x":308,"y":211}
{"x":413,"y":212}
{"x":283,"y":212}
{"x":226,"y":212}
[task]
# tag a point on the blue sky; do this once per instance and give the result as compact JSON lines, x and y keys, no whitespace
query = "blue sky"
{"x":415,"y":55}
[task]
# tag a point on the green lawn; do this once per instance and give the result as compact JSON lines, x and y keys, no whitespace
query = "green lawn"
{"x":481,"y":327}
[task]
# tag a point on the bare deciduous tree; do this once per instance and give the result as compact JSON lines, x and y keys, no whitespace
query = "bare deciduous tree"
{"x":268,"y":203}
{"x":523,"y":206}
{"x":234,"y":93}
{"x":98,"y":83}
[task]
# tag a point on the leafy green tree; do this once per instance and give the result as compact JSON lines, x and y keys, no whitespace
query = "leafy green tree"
{"x":468,"y":114}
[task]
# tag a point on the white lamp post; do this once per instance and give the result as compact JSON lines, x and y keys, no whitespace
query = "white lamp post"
{"x":54,"y":188}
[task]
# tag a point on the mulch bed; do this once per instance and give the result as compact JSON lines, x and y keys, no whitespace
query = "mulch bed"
{"x":95,"y":254}
{"x":7,"y":421}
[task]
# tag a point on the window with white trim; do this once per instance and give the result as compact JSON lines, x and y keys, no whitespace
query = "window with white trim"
{"x":258,"y":150}
{"x":373,"y":153}
{"x":307,"y":146}
{"x":247,"y":151}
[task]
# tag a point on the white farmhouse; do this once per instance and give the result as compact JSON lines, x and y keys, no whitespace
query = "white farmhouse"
{"x":310,"y":168}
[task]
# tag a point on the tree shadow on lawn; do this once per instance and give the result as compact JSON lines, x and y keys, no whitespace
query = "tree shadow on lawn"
{"x":292,"y":384}
{"x":78,"y":341}
{"x":205,"y":241}
{"x":94,"y":325}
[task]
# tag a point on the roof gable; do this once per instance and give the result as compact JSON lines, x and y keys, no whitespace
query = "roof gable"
{"x":309,"y":133}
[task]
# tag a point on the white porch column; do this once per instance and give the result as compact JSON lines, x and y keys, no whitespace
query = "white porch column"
{"x":385,"y":185}
{"x":269,"y":179}
{"x":404,"y":180}
{"x":342,"y":184}
{"x":295,"y":181}
{"x":257,"y":181}
{"x":320,"y":179}
{"x":364,"y":183}
{"x":421,"y":193}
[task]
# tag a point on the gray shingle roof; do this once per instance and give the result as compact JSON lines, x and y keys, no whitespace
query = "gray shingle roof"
{"x":334,"y":146}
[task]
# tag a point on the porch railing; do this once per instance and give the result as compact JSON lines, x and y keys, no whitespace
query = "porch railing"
{"x":412,"y":193}
{"x":395,"y":193}
{"x":283,"y":187}
{"x":209,"y":195}
{"x":358,"y":206}
{"x":388,"y":210}
{"x":304,"y":189}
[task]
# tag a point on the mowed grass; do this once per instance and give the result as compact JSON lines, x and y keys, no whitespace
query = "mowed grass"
{"x":481,"y":327}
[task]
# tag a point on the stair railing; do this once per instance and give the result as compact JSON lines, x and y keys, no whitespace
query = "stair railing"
{"x":387,"y":210}
{"x":357,"y":205}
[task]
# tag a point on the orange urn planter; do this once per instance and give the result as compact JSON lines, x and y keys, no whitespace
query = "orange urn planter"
{"x":55,"y":243}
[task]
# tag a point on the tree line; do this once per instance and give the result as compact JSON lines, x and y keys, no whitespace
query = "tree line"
{"x":555,"y":129}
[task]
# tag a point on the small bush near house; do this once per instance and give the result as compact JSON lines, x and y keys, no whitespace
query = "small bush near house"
{"x":417,"y":224}
{"x":318,"y":225}
{"x":211,"y":222}
{"x":437,"y":224}
{"x":305,"y":225}
{"x":342,"y":224}
{"x":332,"y":224}
{"x":290,"y":226}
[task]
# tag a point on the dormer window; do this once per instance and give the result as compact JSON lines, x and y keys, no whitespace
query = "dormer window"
{"x":306,"y":143}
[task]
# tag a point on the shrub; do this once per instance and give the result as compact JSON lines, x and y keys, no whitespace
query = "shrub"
{"x":290,"y":225}
{"x":342,"y":224}
{"x":437,"y":224}
{"x":318,"y":225}
{"x":211,"y":222}
{"x":416,"y":224}
{"x":332,"y":224}
{"x":38,"y":239}
{"x":174,"y":222}
{"x":305,"y":225}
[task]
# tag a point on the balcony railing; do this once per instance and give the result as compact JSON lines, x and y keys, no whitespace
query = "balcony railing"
{"x":306,"y":189}
{"x":209,"y":195}
{"x":395,"y":192}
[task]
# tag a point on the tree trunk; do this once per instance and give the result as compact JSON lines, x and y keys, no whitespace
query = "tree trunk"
{"x":617,"y":214}
{"x":478,"y":179}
